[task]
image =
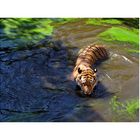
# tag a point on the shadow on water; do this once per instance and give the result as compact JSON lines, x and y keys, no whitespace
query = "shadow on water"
{"x":100,"y":91}
{"x":35,"y":86}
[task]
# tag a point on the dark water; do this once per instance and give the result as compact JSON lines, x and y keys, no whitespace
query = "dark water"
{"x":35,"y":83}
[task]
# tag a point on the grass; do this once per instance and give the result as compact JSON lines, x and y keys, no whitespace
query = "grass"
{"x":101,"y":21}
{"x":120,"y":34}
{"x":126,"y":111}
{"x":135,"y":50}
{"x":117,"y":33}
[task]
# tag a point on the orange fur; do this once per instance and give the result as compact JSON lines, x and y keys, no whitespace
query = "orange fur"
{"x":83,"y":73}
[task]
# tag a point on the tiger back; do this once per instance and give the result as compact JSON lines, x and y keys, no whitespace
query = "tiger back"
{"x":84,"y":75}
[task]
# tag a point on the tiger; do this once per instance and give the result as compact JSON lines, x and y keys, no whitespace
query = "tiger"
{"x":83,"y":73}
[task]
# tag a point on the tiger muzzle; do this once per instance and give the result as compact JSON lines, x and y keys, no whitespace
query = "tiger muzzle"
{"x":87,"y":90}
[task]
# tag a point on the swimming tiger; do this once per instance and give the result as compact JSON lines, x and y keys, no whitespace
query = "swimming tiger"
{"x":84,"y":75}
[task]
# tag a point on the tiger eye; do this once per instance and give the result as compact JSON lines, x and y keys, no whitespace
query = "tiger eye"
{"x":95,"y":70}
{"x":79,"y":70}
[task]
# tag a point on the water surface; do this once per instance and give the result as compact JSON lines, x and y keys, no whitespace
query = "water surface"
{"x":36,"y":84}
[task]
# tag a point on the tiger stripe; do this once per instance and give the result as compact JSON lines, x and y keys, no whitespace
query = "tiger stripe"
{"x":83,"y":73}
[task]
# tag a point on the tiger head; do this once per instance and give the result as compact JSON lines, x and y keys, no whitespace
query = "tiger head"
{"x":87,"y":80}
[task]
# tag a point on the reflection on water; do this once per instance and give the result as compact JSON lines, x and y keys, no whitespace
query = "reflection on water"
{"x":35,"y":83}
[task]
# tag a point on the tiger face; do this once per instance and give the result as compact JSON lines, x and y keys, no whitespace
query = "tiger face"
{"x":87,"y":80}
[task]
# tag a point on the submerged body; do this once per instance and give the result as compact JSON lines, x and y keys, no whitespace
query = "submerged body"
{"x":84,"y":75}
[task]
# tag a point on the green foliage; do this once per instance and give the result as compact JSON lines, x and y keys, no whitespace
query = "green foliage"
{"x":131,"y":22}
{"x":70,"y":19}
{"x":120,"y":34}
{"x":61,"y":21}
{"x":127,"y":110}
{"x":133,"y":51}
{"x":132,"y":106}
{"x":24,"y":32}
{"x":19,"y":32}
{"x":101,"y":21}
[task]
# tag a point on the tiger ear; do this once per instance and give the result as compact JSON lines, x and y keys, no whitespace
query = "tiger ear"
{"x":95,"y":70}
{"x":79,"y":70}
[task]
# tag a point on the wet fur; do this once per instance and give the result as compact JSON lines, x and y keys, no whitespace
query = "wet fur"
{"x":83,"y":73}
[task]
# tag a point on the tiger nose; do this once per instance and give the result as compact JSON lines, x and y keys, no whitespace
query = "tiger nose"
{"x":87,"y":91}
